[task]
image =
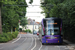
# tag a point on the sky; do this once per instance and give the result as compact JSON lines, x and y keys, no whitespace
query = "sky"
{"x":34,"y":12}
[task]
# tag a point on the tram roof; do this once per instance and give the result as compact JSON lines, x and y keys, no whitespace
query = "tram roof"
{"x":51,"y":18}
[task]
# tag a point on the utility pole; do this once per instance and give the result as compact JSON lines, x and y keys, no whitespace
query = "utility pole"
{"x":33,"y":25}
{"x":0,"y":22}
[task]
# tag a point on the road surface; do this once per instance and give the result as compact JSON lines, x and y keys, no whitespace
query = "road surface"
{"x":31,"y":42}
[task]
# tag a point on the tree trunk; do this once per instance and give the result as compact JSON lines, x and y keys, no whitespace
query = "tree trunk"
{"x":0,"y":22}
{"x":11,"y":29}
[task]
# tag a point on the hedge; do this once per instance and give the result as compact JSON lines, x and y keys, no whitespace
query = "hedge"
{"x":5,"y":37}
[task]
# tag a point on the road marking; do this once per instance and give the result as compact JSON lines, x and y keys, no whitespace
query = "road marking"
{"x":17,"y":39}
{"x":65,"y":47}
{"x":21,"y":43}
{"x":69,"y":47}
{"x":31,"y":43}
{"x":58,"y":47}
{"x":25,"y":39}
{"x":35,"y":44}
{"x":41,"y":46}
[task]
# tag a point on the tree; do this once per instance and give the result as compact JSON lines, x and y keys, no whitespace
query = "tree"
{"x":0,"y":18}
{"x":23,"y":22}
{"x":31,"y":1}
{"x":0,"y":22}
{"x":11,"y":13}
{"x":64,"y":9}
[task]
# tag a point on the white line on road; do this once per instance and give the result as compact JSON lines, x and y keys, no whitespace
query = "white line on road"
{"x":41,"y":46}
{"x":17,"y":39}
{"x":35,"y":44}
{"x":58,"y":47}
{"x":25,"y":39}
{"x":21,"y":43}
{"x":31,"y":43}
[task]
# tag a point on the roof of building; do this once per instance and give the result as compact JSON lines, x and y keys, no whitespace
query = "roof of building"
{"x":37,"y":22}
{"x":31,"y":22}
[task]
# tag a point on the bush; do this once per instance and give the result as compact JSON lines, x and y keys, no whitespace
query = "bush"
{"x":20,"y":29}
{"x":28,"y":30}
{"x":5,"y":37}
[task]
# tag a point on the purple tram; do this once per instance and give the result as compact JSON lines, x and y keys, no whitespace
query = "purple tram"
{"x":51,"y":31}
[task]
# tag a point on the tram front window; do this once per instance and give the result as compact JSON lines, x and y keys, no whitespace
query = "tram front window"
{"x":52,"y":28}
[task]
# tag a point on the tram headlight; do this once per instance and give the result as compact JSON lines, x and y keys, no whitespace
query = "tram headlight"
{"x":56,"y":37}
{"x":46,"y":41}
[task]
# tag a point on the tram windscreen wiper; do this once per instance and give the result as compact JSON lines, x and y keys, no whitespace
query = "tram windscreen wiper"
{"x":49,"y":30}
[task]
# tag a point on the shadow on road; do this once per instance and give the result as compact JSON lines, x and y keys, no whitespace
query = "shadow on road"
{"x":53,"y":44}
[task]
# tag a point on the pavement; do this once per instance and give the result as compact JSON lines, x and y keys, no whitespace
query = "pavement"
{"x":68,"y":42}
{"x":71,"y":45}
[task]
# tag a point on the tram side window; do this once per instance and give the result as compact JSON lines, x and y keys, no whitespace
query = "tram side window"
{"x":42,"y":31}
{"x":57,"y":27}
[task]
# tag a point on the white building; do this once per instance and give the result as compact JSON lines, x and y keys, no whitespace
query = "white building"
{"x":31,"y":24}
